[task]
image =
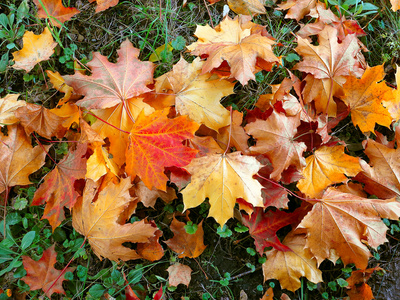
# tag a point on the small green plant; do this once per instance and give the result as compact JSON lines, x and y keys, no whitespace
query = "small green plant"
{"x":354,"y":8}
{"x":11,"y":29}
{"x":224,"y":231}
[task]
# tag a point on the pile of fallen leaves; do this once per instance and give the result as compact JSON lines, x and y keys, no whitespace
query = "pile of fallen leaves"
{"x":132,"y":136}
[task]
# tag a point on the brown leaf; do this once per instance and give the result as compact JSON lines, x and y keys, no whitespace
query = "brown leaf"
{"x":179,"y":274}
{"x":185,"y":244}
{"x":41,"y":120}
{"x":42,"y":274}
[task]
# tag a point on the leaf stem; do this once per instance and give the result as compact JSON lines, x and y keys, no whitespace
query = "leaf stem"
{"x":90,"y":113}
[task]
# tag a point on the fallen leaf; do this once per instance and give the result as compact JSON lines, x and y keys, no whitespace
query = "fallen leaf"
{"x":59,"y":84}
{"x":8,"y":105}
{"x":328,"y":165}
{"x":297,"y":8}
{"x":239,"y":47}
{"x":18,"y":159}
{"x":179,"y":274}
{"x":36,"y":49}
{"x":104,"y":4}
{"x":358,"y":289}
{"x":99,"y":163}
{"x":155,"y":142}
{"x":100,"y":222}
{"x":37,"y":118}
{"x":269,"y":294}
{"x":42,"y":274}
{"x":222,"y":178}
{"x":58,"y":190}
{"x":382,"y":175}
{"x":329,"y":61}
{"x":55,"y":11}
{"x":148,"y":197}
{"x":364,"y":97}
{"x":289,"y":266}
{"x":263,"y":227}
{"x":247,"y":7}
{"x":112,"y":83}
{"x":344,"y":224}
{"x":196,"y":95}
{"x":275,"y":139}
{"x":185,"y":244}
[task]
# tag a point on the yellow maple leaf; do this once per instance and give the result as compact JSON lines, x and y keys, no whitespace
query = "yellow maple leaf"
{"x":195,"y":95}
{"x":36,"y":49}
{"x":365,"y":96}
{"x":222,"y":179}
{"x":328,"y":165}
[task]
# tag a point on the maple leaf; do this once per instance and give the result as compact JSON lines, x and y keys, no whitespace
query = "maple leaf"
{"x":18,"y":159}
{"x":55,"y":10}
{"x":185,"y":244}
{"x":58,"y":189}
{"x":358,"y":289}
{"x":235,"y":133}
{"x":100,"y":221}
{"x":42,"y":274}
{"x":364,"y":97}
{"x":179,"y":274}
{"x":111,"y":84}
{"x":326,"y":166}
{"x":70,"y":113}
{"x":99,"y":163}
{"x":263,"y":227}
{"x":382,"y":176}
{"x":395,"y":5}
{"x":230,"y":42}
{"x":36,"y":49}
{"x":222,"y":178}
{"x":327,"y":17}
{"x":269,"y":295}
{"x":152,"y":250}
{"x":297,"y":8}
{"x":155,"y":142}
{"x":148,"y":197}
{"x":329,"y":61}
{"x":393,"y":104}
{"x":59,"y":84}
{"x":275,"y":139}
{"x":104,"y":4}
{"x":8,"y":105}
{"x":114,"y":122}
{"x":41,"y":120}
{"x":247,"y":7}
{"x":289,"y":266}
{"x":195,"y":94}
{"x":344,"y":224}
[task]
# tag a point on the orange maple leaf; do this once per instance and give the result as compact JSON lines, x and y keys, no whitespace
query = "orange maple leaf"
{"x":275,"y":139}
{"x":328,"y":165}
{"x":233,"y":42}
{"x":185,"y":244}
{"x":341,"y":225}
{"x":110,"y":84}
{"x":155,"y":142}
{"x":104,"y":4}
{"x":36,"y":49}
{"x":55,"y":10}
{"x":103,"y":221}
{"x":18,"y":159}
{"x":289,"y":266}
{"x":58,"y":189}
{"x":196,"y":95}
{"x":297,"y":8}
{"x":364,"y":97}
{"x":381,"y":175}
{"x":8,"y":105}
{"x":329,"y":62}
{"x":42,"y":274}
